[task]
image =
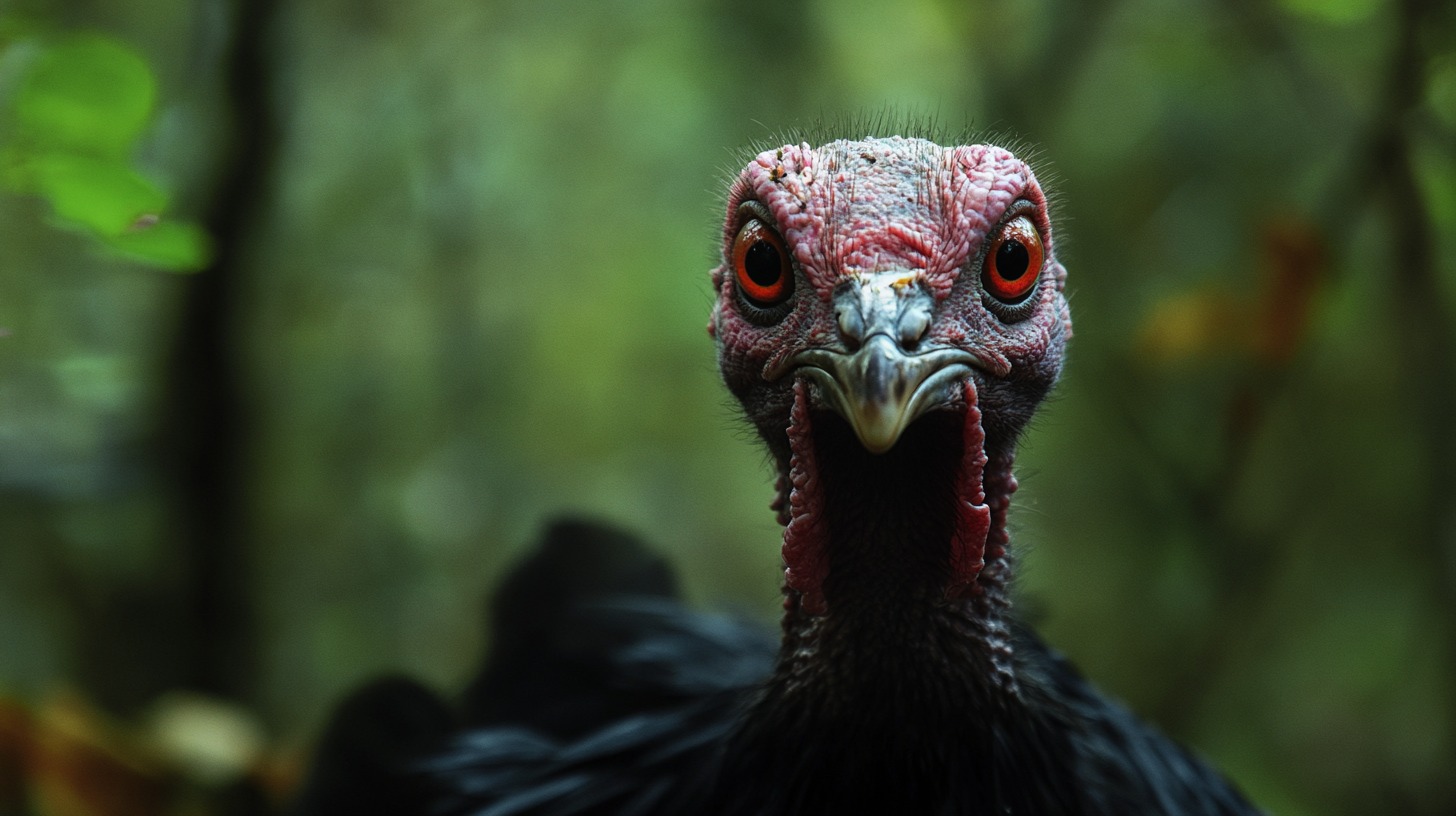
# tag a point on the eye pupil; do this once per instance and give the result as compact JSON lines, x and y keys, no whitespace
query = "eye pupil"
{"x":762,"y":263}
{"x":1012,"y":260}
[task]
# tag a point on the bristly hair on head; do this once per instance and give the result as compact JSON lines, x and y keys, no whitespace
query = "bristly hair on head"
{"x":890,"y":120}
{"x":894,"y":120}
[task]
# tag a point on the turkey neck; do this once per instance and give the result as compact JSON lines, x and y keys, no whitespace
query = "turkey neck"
{"x":898,"y":688}
{"x":890,"y":627}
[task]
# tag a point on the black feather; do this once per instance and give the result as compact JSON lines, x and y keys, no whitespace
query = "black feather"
{"x":684,"y":749}
{"x":365,"y":762}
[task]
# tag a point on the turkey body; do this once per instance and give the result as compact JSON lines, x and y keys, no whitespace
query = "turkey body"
{"x":890,"y":313}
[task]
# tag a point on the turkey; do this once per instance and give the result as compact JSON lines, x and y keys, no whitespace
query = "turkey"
{"x":889,"y":313}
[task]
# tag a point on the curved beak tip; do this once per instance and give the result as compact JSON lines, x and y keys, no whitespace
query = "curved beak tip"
{"x":877,"y":423}
{"x":877,"y":383}
{"x":877,"y":441}
{"x":880,"y":390}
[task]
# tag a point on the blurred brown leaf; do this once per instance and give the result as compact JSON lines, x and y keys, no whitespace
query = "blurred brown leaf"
{"x":1191,"y":325}
{"x":192,"y":755}
{"x":1269,"y":327}
{"x":15,"y":728}
{"x":80,"y":764}
{"x":1294,"y":268}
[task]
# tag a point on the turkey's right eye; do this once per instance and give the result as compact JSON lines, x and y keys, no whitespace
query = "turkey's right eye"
{"x":761,"y":265}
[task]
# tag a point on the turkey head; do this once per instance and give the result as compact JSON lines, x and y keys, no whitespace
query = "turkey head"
{"x":889,"y":313}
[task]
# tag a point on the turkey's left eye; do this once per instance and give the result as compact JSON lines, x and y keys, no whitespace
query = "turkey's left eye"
{"x":761,"y":265}
{"x":1014,"y":263}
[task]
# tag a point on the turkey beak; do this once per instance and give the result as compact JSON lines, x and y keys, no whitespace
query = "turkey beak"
{"x":885,"y":379}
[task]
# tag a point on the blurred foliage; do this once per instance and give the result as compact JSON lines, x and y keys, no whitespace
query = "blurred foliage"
{"x":187,"y":755}
{"x":472,"y":294}
{"x":78,"y":104}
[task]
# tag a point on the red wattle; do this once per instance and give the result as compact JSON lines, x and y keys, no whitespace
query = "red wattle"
{"x":800,"y":507}
{"x":973,"y":515}
{"x":805,"y":565}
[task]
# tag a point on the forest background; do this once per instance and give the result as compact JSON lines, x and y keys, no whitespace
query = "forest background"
{"x":313,"y":312}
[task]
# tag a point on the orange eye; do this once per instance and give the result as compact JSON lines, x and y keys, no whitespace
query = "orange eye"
{"x":1014,"y":263}
{"x":761,"y":264}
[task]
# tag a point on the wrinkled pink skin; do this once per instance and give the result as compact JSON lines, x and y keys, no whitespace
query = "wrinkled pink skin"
{"x":919,"y":207}
{"x":857,"y":207}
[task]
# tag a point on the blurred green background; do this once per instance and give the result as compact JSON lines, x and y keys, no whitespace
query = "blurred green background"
{"x":449,"y":278}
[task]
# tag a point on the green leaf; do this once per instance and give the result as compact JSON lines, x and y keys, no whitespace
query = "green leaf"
{"x":173,"y":245}
{"x":104,"y":196}
{"x":88,"y":93}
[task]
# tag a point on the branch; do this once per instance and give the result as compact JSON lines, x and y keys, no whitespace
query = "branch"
{"x":206,"y":422}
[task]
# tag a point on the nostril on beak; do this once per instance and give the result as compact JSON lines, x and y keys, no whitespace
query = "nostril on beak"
{"x":893,"y":304}
{"x":851,"y":325}
{"x":913,"y":326}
